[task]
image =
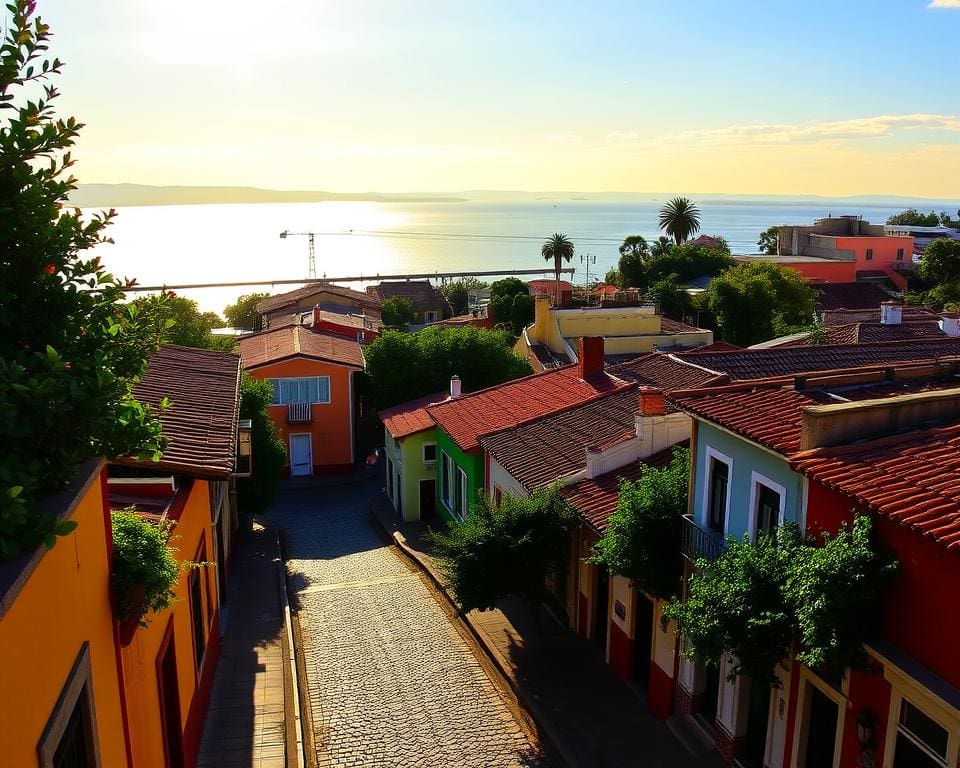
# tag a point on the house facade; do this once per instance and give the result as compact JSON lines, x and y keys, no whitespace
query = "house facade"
{"x":314,"y":405}
{"x":428,"y":303}
{"x":327,"y":297}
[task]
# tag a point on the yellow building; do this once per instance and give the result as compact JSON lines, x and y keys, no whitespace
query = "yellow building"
{"x":627,"y":331}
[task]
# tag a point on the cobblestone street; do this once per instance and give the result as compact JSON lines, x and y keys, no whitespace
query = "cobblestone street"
{"x":391,"y":681}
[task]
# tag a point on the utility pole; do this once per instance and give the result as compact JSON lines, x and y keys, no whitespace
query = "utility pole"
{"x":312,"y":263}
{"x":587,"y":259}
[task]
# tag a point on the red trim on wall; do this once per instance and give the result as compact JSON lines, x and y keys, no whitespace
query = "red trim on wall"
{"x":175,"y":508}
{"x":792,"y":713}
{"x":868,"y":690}
{"x":660,"y":692}
{"x":200,"y":702}
{"x":621,"y":652}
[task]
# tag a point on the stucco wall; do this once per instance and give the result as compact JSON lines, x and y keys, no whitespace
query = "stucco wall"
{"x":408,"y":463}
{"x":499,"y":476}
{"x":471,"y":463}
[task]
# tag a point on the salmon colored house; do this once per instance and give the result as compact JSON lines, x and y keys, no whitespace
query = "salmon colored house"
{"x":314,"y":405}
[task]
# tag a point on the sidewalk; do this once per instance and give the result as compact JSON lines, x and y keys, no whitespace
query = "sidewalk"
{"x":593,"y":719}
{"x":245,"y":724}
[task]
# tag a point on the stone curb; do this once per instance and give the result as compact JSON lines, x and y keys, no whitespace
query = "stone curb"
{"x":560,"y":752}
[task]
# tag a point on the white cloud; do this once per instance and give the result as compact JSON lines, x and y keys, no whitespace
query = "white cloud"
{"x":944,"y":4}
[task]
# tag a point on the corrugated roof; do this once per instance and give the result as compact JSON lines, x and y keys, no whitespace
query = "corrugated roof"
{"x":277,"y":344}
{"x":410,"y":417}
{"x":595,"y":500}
{"x":913,"y":478}
{"x":538,"y":452}
{"x":281,"y":300}
{"x":201,"y":424}
{"x":468,"y":417}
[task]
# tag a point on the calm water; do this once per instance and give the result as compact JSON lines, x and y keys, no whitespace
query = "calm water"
{"x":228,"y":243}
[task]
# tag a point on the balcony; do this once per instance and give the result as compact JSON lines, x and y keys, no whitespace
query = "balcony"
{"x":299,"y":413}
{"x":701,"y":542}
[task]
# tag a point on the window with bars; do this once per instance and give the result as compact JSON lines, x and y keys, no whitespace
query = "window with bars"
{"x":308,"y":389}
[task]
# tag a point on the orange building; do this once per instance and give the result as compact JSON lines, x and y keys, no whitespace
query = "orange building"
{"x":59,"y":683}
{"x":314,"y":405}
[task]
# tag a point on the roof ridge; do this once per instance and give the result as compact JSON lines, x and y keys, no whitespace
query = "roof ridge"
{"x":677,"y":359}
{"x":875,"y":442}
{"x":551,"y":371}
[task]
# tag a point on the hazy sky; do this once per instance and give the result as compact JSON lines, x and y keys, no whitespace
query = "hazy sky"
{"x":817,"y":96}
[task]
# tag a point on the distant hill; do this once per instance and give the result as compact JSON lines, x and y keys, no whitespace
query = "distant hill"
{"x":116,"y":195}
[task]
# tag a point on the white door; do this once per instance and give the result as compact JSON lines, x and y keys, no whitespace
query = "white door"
{"x":301,"y":459}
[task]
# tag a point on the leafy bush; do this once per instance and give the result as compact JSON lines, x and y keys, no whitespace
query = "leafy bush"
{"x":70,"y":348}
{"x":243,"y":314}
{"x":522,"y":312}
{"x":642,"y":541}
{"x":257,"y":492}
{"x":145,"y":568}
{"x":505,"y":549}
{"x":398,"y":312}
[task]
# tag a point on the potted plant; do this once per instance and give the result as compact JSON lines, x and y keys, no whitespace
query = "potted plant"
{"x":145,"y":570}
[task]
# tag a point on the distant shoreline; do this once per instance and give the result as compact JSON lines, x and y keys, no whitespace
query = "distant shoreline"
{"x":132,"y":195}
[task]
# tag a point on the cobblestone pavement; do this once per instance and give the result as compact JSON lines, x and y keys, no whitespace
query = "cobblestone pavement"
{"x":391,"y":681}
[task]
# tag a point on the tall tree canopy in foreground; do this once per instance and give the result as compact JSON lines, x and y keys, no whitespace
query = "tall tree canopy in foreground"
{"x":680,"y":218}
{"x":70,"y":347}
{"x":759,"y":301}
{"x":505,"y":549}
{"x":558,"y":248}
{"x":405,"y":366}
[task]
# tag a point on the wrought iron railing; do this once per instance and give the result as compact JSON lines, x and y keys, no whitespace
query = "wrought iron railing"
{"x":701,"y":542}
{"x":299,"y":413}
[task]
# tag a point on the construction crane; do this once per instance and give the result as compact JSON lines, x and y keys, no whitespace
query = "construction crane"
{"x":312,"y":264}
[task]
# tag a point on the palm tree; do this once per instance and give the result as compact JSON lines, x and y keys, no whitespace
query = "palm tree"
{"x":559,"y":248}
{"x":661,"y":247}
{"x":680,"y":218}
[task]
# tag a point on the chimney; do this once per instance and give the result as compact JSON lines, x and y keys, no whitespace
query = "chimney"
{"x":454,"y":387}
{"x":594,"y":466}
{"x":891,"y":313}
{"x":652,"y":402}
{"x":316,"y":316}
{"x":950,"y":325}
{"x":591,"y":355}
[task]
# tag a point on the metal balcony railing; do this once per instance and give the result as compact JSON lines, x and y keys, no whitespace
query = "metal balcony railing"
{"x":701,"y":542}
{"x":299,"y":413}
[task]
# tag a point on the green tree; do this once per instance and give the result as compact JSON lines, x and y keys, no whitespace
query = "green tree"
{"x":398,"y":312}
{"x":672,"y":296}
{"x":404,"y":366}
{"x":661,"y":246}
{"x":680,"y":219}
{"x":940,"y":266}
{"x":522,"y":312}
{"x":558,"y":248}
{"x":502,"y":294}
{"x":257,"y":492}
{"x":70,"y":348}
{"x":635,"y":245}
{"x":179,"y":320}
{"x":642,"y":541}
{"x":913,"y":217}
{"x":145,"y":569}
{"x":757,"y":301}
{"x":768,"y":240}
{"x":505,"y":549}
{"x":458,"y":293}
{"x":243,"y":314}
{"x":686,"y":262}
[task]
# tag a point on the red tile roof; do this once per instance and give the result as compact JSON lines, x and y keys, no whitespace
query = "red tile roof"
{"x":666,"y":371}
{"x":300,"y":295}
{"x":717,"y":346}
{"x":201,"y":423}
{"x":871,"y":315}
{"x":468,"y":417}
{"x":421,"y":293}
{"x":913,"y":478}
{"x":674,"y":326}
{"x":547,"y":286}
{"x":850,"y":296}
{"x":410,"y":417}
{"x":277,"y":344}
{"x":540,"y":451}
{"x":595,"y":500}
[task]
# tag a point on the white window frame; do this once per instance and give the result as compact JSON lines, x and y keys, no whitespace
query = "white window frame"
{"x":446,"y":480}
{"x":800,"y":727}
{"x":712,"y":453}
{"x":464,"y":495}
{"x":904,"y":687}
{"x":275,"y":400}
{"x":756,"y":479}
{"x":429,"y":462}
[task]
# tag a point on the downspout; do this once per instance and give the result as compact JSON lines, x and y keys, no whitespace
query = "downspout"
{"x":108,"y":537}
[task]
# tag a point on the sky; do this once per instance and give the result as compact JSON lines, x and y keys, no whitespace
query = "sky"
{"x":740,"y":96}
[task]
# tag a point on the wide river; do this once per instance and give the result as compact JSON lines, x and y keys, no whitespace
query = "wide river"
{"x":180,"y":244}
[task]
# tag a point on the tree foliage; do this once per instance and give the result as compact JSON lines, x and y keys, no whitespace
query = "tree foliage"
{"x":940,"y":267}
{"x":144,"y":570}
{"x":398,"y":312}
{"x":505,"y":549}
{"x":457,"y":293}
{"x":768,"y":240}
{"x":753,"y":601}
{"x":502,"y":295}
{"x":913,"y":217}
{"x":70,"y":348}
{"x":178,"y":320}
{"x":243,"y":313}
{"x":642,"y":541}
{"x":758,"y":301}
{"x":558,"y":248}
{"x":521,"y":312}
{"x":680,"y":219}
{"x":403,"y":366}
{"x":257,"y":492}
{"x":678,"y":263}
{"x":672,"y":296}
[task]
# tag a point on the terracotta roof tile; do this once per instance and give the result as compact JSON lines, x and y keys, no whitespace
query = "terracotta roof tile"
{"x":421,"y":294}
{"x":201,"y":423}
{"x":410,"y":417}
{"x":674,"y":326}
{"x":667,"y":371}
{"x":595,"y":500}
{"x":546,"y":285}
{"x":851,"y":296}
{"x":540,"y":451}
{"x":298,"y":341}
{"x":468,"y":417}
{"x":281,"y":300}
{"x":913,"y":478}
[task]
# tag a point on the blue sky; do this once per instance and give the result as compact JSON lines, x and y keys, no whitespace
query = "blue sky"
{"x":692,"y":95}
